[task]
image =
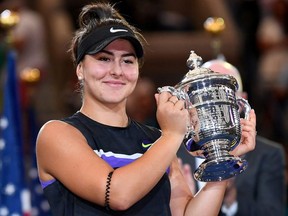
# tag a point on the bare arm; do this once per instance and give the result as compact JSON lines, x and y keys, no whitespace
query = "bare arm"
{"x":182,"y":200}
{"x":212,"y":193}
{"x":63,"y":153}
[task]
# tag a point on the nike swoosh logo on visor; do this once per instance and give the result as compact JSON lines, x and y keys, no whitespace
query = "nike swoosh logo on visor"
{"x":146,"y":145}
{"x":112,"y":30}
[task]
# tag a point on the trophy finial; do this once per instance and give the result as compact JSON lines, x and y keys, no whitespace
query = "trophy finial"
{"x":194,"y":61}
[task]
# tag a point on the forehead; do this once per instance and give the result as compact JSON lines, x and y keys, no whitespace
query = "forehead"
{"x":120,"y":44}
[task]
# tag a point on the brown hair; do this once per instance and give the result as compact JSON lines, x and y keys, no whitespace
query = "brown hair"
{"x":99,"y":14}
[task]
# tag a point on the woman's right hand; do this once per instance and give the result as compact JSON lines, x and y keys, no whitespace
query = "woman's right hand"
{"x":171,"y":114}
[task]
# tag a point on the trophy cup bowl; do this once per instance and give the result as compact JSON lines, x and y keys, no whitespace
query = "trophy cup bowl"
{"x":215,"y":127}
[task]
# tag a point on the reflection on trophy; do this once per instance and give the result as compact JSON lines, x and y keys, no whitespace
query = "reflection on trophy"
{"x":215,"y":127}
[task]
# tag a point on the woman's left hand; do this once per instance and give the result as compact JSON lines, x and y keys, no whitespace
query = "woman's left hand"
{"x":248,"y":139}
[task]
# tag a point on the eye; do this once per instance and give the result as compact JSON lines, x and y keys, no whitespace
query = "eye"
{"x":128,"y":61}
{"x":103,"y":58}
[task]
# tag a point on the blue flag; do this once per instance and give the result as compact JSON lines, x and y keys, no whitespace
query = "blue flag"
{"x":11,"y":155}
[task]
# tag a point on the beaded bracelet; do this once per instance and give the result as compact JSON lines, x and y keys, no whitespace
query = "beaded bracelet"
{"x":107,"y":193}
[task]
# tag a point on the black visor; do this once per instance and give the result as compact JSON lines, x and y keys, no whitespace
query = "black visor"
{"x":98,"y":39}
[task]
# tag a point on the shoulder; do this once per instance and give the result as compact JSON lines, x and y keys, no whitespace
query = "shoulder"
{"x":55,"y":126}
{"x":264,"y":143}
{"x":269,"y":147}
{"x":61,"y":125}
{"x":56,"y":131}
{"x":57,"y":143}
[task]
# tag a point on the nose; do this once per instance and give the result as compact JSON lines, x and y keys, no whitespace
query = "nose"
{"x":116,"y":69}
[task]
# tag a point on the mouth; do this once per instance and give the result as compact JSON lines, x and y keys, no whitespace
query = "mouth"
{"x":114,"y":83}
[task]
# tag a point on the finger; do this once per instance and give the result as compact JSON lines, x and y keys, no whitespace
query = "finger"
{"x":187,"y":169}
{"x":173,"y":99}
{"x":193,"y":112}
{"x":163,"y":97}
{"x":252,"y":116}
{"x":180,"y":104}
{"x":248,"y":135}
{"x":246,"y":125}
{"x":180,"y":162}
{"x":156,"y":97}
{"x":248,"y":144}
{"x":189,"y":179}
{"x":171,"y":102}
{"x":249,"y":123}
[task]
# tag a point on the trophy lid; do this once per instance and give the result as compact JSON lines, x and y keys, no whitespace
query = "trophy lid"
{"x":198,"y":74}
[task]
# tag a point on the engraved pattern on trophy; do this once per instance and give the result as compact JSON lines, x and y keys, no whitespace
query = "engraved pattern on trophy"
{"x":215,"y":128}
{"x":217,"y":109}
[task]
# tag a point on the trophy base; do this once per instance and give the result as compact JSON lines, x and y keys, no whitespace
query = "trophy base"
{"x":220,"y":169}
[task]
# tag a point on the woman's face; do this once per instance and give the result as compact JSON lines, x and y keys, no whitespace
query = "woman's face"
{"x":110,"y":76}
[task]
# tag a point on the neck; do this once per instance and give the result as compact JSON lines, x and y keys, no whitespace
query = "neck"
{"x":114,"y":116}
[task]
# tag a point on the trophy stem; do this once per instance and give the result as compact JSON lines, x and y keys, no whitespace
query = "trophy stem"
{"x":219,"y":164}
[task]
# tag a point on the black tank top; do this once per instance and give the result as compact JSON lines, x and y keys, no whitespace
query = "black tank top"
{"x":118,"y":147}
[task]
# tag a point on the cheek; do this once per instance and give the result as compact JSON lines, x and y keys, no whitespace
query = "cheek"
{"x":98,"y":74}
{"x":132,"y":76}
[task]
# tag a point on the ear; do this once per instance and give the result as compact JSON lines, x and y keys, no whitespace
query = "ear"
{"x":79,"y":71}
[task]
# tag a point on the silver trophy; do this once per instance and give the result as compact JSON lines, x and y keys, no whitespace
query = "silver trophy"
{"x":215,"y":127}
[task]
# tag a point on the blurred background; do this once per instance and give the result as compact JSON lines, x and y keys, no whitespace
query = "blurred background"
{"x":254,"y":40}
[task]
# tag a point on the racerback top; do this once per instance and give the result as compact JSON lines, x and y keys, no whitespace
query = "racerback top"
{"x":118,"y":146}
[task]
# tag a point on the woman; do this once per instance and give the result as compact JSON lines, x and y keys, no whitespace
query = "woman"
{"x":97,"y":162}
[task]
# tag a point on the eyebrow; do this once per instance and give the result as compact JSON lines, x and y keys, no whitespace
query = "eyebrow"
{"x":124,"y":55}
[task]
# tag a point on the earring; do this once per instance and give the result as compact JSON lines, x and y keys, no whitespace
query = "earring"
{"x":80,"y":78}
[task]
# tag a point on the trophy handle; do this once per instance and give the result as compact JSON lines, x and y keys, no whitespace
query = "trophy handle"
{"x":181,"y":95}
{"x":244,"y":107}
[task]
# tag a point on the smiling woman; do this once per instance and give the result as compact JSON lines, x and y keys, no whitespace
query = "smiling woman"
{"x":100,"y":161}
{"x":109,"y":75}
